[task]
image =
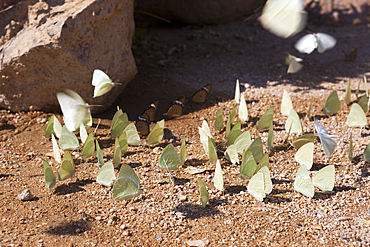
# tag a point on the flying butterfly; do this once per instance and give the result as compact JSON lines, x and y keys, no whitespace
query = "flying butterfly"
{"x":201,"y":95}
{"x":149,"y":113}
{"x":350,"y":56}
{"x":175,"y":109}
{"x":142,"y":126}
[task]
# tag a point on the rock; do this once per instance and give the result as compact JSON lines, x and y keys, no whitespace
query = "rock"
{"x":198,"y":12}
{"x":26,"y":195}
{"x":46,"y":47}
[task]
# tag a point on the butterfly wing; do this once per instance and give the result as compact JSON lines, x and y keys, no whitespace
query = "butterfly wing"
{"x":303,"y":183}
{"x":306,"y":44}
{"x":324,"y":42}
{"x":142,"y":126}
{"x":201,"y":95}
{"x":324,"y":179}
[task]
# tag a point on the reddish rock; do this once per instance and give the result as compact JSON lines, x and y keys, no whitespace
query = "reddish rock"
{"x":49,"y":46}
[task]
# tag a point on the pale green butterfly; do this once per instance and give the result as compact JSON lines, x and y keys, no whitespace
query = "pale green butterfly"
{"x":350,"y":150}
{"x":75,"y":110}
{"x":83,"y":133}
{"x":286,"y":104}
{"x":243,"y":142}
{"x":234,"y":133}
{"x":103,"y":84}
{"x":324,"y":179}
{"x":99,"y":153}
{"x":264,"y":162}
{"x":204,"y":133}
{"x":133,"y":137}
{"x":243,"y":110}
{"x":156,"y":135}
{"x":117,"y":155}
{"x":356,"y":117}
{"x":347,"y":97}
{"x":123,"y":142}
{"x":284,"y":18}
{"x":328,"y":142}
{"x":310,"y":42}
{"x":358,"y":89}
{"x":230,"y":120}
{"x":237,"y":92}
{"x":231,"y":154}
{"x":260,"y":184}
{"x":127,"y":185}
{"x":219,"y":122}
{"x":363,"y":103}
{"x":106,"y":175}
{"x":303,"y":183}
{"x":249,"y":165}
{"x":204,"y":196}
{"x":266,"y":119}
{"x":89,"y":146}
{"x":68,"y":140}
{"x":118,"y":113}
{"x":119,"y":123}
{"x":218,"y":180}
{"x":294,"y":64}
{"x":49,"y":177}
{"x":367,"y":153}
{"x":257,"y":149}
{"x":302,"y":140}
{"x":304,"y":155}
{"x":67,"y":168}
{"x":332,"y":103}
{"x":308,"y":115}
{"x":183,"y":151}
{"x":212,"y":153}
{"x":294,"y":123}
{"x":56,"y":150}
{"x":53,"y":127}
{"x":270,"y":137}
{"x":169,"y":158}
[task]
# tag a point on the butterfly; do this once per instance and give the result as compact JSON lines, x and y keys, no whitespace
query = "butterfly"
{"x":351,"y":56}
{"x":310,"y":42}
{"x":294,"y":63}
{"x":75,"y":110}
{"x":149,"y":113}
{"x":142,"y":126}
{"x":176,"y":109}
{"x":103,"y":84}
{"x":284,"y":18}
{"x":201,"y":95}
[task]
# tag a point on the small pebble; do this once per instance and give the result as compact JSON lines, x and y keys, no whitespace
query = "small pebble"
{"x":26,"y":195}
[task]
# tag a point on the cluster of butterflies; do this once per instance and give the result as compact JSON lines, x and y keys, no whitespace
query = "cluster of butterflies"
{"x":175,"y":110}
{"x":285,"y":18}
{"x":255,"y":164}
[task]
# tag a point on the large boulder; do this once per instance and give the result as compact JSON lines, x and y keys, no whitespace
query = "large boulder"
{"x":49,"y":46}
{"x":200,"y":12}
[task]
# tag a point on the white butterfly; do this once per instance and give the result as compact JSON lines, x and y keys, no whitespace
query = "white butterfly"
{"x":310,"y":42}
{"x":103,"y":84}
{"x":75,"y":110}
{"x":294,"y":63}
{"x":328,"y":142}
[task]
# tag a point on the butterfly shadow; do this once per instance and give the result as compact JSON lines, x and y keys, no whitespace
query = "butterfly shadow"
{"x":317,"y":166}
{"x":75,"y":227}
{"x":196,"y":211}
{"x":271,"y":198}
{"x":356,"y":159}
{"x":196,"y":162}
{"x":281,"y":181}
{"x":235,"y":189}
{"x":6,"y":175}
{"x":181,"y":181}
{"x":72,"y":187}
{"x":321,"y":195}
{"x":7,"y":127}
{"x":322,"y":116}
